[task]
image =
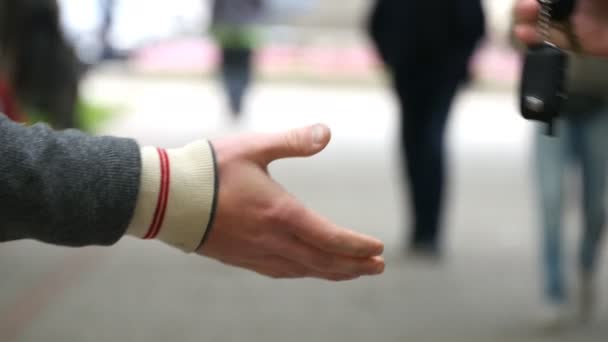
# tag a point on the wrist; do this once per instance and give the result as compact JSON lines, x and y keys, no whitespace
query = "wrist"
{"x":176,"y":200}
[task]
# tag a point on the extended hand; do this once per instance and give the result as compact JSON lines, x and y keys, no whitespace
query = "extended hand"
{"x":260,"y":227}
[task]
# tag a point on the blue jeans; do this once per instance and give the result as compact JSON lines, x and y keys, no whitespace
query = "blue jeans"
{"x":582,"y":140}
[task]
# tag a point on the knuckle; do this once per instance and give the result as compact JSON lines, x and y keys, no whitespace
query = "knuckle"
{"x":337,"y":242}
{"x":280,"y":211}
{"x":334,"y":240}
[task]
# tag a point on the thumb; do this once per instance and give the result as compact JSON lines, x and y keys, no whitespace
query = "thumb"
{"x":300,"y":142}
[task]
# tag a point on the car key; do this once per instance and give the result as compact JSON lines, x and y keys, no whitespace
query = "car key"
{"x":543,"y":83}
{"x":542,"y":89}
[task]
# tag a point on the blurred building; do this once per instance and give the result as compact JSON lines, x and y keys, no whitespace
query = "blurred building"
{"x":163,"y":19}
{"x":350,"y":14}
{"x":310,"y":38}
{"x":136,"y":23}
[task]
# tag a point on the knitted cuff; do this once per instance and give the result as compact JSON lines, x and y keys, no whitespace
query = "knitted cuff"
{"x":176,"y":197}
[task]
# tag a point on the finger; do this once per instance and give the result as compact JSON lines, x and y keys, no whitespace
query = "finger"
{"x":327,"y":263}
{"x":527,"y":11}
{"x":526,"y":17}
{"x":324,"y":235}
{"x":301,"y":142}
{"x":530,"y":36}
{"x":276,"y":267}
{"x":339,"y":277}
{"x":282,"y":268}
{"x":527,"y":34}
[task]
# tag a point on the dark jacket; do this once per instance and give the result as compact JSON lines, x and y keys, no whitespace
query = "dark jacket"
{"x":412,"y":34}
{"x":237,"y":12}
{"x":65,"y":188}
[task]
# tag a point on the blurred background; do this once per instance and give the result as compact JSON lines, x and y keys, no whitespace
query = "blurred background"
{"x":169,"y":72}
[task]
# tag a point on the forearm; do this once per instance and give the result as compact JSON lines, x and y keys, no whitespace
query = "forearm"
{"x":67,"y":188}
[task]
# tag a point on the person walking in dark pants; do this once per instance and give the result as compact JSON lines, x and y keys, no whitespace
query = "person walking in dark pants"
{"x":233,"y":27}
{"x":107,"y":20}
{"x":427,"y":47}
{"x":236,"y":73}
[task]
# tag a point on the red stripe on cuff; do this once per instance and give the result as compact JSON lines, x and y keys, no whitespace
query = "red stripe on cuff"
{"x":163,"y":196}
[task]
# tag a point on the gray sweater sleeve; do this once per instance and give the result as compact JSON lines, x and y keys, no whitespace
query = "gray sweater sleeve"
{"x":65,"y":188}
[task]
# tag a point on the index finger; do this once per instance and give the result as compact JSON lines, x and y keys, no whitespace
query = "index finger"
{"x":526,"y":11}
{"x":325,"y":235}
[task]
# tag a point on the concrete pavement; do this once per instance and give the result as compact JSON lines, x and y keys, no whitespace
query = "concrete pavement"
{"x":485,"y":290}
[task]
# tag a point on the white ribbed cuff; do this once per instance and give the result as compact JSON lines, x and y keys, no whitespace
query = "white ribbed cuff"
{"x":176,"y":196}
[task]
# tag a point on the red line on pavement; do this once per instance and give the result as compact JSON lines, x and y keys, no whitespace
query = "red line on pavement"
{"x":18,"y":316}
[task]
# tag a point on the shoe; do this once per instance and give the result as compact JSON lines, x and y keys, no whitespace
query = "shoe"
{"x":555,"y":317}
{"x":424,"y":252}
{"x":587,"y":297}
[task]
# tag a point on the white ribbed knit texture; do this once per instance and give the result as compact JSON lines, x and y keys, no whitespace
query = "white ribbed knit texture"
{"x":191,"y":193}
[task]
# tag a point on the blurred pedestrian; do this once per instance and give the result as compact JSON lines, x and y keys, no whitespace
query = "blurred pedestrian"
{"x":581,"y":144}
{"x":233,"y":26}
{"x":427,"y":47}
{"x":590,"y":25}
{"x":107,"y":20}
{"x":40,"y":65}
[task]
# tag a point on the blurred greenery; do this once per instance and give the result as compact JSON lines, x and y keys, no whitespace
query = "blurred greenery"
{"x":90,"y":115}
{"x":242,"y":36}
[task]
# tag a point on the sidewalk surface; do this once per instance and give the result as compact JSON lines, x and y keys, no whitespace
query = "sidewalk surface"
{"x":485,"y":290}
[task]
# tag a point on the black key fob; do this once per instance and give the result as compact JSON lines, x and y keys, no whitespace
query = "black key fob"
{"x":542,"y":91}
{"x":560,"y":9}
